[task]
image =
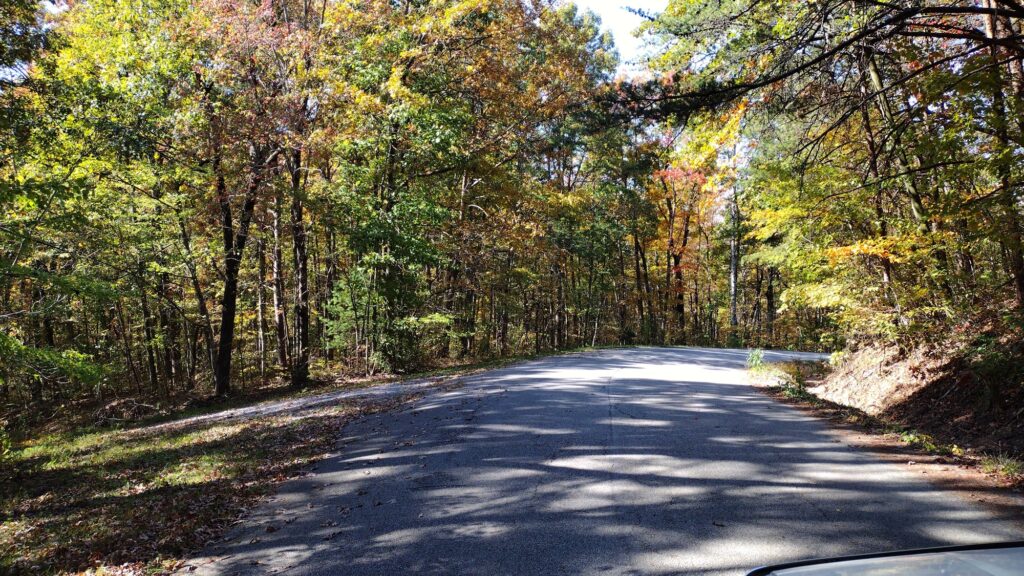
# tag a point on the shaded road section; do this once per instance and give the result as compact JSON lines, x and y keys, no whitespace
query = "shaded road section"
{"x":616,"y":462}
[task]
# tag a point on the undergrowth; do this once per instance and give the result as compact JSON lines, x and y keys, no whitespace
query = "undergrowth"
{"x":1003,"y":465}
{"x":139,"y":500}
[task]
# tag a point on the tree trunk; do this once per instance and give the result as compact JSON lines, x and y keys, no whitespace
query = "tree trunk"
{"x":671,"y":258}
{"x":640,"y":292}
{"x":200,"y":297}
{"x":734,"y":266}
{"x":300,"y":363}
{"x":1007,"y":198}
{"x":234,"y":247}
{"x":280,"y":314}
{"x":148,"y":329}
{"x":770,"y":306}
{"x":170,"y":328}
{"x":927,"y":225}
{"x":261,"y":306}
{"x":228,"y":307}
{"x":652,"y":320}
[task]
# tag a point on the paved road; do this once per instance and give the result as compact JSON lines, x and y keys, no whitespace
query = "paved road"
{"x":640,"y":461}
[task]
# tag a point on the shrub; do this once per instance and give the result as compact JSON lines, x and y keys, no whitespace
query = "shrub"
{"x":755,"y":361}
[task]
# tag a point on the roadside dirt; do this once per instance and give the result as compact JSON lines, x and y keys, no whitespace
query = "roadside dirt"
{"x":968,"y":392}
{"x":961,"y":475}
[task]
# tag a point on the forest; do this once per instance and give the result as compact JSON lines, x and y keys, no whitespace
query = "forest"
{"x":236,"y":233}
{"x":200,"y":197}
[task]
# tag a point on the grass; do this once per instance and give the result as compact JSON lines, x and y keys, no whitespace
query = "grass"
{"x":790,"y":378}
{"x":140,"y":500}
{"x":1003,"y":465}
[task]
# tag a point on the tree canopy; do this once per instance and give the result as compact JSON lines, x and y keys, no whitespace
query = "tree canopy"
{"x":199,"y":197}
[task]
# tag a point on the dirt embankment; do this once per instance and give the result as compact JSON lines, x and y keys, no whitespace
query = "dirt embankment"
{"x":967,"y":390}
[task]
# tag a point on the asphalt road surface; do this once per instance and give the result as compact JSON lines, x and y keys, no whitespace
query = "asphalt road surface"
{"x":635,"y":461}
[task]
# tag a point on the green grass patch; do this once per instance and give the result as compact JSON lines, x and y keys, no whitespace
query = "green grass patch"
{"x":789,"y":378}
{"x":1003,"y":465}
{"x":755,"y":361}
{"x":922,"y":441}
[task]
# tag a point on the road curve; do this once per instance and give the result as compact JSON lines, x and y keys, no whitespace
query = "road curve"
{"x":615,"y":462}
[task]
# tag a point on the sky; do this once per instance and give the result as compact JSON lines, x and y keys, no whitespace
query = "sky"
{"x":621,"y":23}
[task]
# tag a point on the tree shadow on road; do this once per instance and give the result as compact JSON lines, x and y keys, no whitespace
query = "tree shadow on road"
{"x":641,"y":461}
